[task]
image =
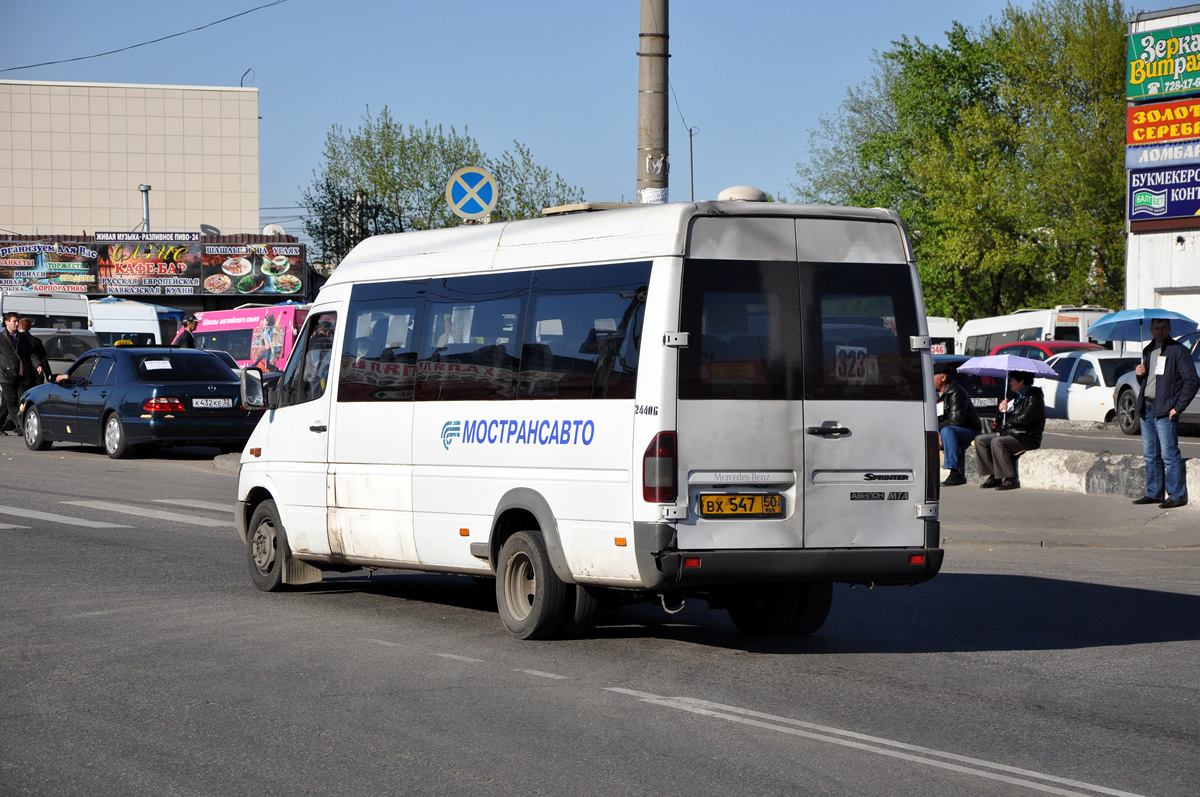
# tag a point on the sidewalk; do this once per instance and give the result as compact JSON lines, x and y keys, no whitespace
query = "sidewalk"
{"x":1049,"y":518}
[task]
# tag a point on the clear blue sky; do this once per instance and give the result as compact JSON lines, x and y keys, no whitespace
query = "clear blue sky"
{"x":754,"y":76}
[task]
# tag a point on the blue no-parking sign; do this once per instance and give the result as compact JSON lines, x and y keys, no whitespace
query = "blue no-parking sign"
{"x":471,"y":193}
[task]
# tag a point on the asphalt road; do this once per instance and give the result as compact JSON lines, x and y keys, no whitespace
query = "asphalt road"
{"x":1114,"y":441}
{"x":136,"y":658}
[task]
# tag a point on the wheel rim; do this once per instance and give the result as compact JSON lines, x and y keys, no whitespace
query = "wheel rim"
{"x":1126,"y":411}
{"x":32,"y":422}
{"x":520,"y":585}
{"x":112,"y":433}
{"x":262,"y":547}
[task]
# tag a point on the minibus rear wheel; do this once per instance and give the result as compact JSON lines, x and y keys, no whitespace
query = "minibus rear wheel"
{"x":766,"y":608}
{"x":531,"y":598}
{"x":266,"y":548}
{"x":816,"y":598}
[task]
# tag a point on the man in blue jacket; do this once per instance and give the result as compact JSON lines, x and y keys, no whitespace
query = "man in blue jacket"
{"x":1169,"y":383}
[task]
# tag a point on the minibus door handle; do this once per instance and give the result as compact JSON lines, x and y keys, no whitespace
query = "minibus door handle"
{"x":828,"y":431}
{"x":318,"y":427}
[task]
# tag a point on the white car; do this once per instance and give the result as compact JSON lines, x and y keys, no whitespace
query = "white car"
{"x":1084,"y":388}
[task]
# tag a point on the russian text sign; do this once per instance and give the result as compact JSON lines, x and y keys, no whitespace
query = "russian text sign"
{"x":1164,"y":193}
{"x":1163,"y":63}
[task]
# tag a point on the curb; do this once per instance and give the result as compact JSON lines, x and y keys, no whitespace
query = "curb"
{"x":1080,"y":471}
{"x":229,"y":463}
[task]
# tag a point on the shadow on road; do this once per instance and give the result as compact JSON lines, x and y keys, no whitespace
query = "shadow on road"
{"x":953,"y":613}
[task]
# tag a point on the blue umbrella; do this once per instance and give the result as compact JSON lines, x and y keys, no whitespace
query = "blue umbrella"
{"x":1135,"y":324}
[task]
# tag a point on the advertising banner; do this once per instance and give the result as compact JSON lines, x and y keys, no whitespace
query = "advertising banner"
{"x":1163,"y":63}
{"x":155,"y":264}
{"x":1162,"y":122}
{"x":1164,"y":193}
{"x":48,"y":268}
{"x":270,"y":270}
{"x":1158,"y":155}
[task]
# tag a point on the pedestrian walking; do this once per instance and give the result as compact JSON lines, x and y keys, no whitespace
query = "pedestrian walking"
{"x":16,"y":366}
{"x":40,"y":362}
{"x":1168,"y":380}
{"x":185,"y":339}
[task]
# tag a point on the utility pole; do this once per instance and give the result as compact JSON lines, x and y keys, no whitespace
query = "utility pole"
{"x":652,"y":152}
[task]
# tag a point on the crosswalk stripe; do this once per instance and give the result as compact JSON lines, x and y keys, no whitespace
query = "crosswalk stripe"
{"x":157,"y":514}
{"x":33,"y":514}
{"x":226,"y":507}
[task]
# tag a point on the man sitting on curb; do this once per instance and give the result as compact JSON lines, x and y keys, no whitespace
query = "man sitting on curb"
{"x":1169,"y":383}
{"x":1020,"y":423}
{"x":958,"y":423}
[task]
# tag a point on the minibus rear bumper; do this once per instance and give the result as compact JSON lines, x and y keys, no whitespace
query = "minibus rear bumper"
{"x":668,"y":568}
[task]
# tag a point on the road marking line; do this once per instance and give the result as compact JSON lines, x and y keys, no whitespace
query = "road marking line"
{"x":382,"y":642}
{"x":33,"y":514}
{"x":196,"y":504}
{"x":12,"y":526}
{"x":459,"y":658}
{"x":541,"y":674}
{"x":140,"y":511}
{"x":878,"y":745}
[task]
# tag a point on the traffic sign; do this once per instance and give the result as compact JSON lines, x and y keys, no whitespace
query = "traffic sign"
{"x":471,"y":193}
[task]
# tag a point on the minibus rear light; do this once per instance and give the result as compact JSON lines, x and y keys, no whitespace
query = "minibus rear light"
{"x":916,"y":559}
{"x":691,"y":561}
{"x":659,"y":485}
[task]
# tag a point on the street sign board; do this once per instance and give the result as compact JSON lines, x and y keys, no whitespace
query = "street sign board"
{"x":471,"y":193}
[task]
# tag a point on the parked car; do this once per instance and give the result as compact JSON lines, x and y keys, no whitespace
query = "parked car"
{"x":985,"y":392}
{"x":1125,"y":394}
{"x":1084,"y":388}
{"x":126,"y":397}
{"x":1043,"y":349}
{"x":63,"y":346}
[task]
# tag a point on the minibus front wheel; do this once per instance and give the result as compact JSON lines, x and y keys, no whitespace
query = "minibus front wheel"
{"x":531,"y":598}
{"x":266,"y":548}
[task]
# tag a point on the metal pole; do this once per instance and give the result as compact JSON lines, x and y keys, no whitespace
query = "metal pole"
{"x":652,"y":151}
{"x":145,"y":189}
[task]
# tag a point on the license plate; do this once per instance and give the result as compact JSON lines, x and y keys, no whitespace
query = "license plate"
{"x":727,"y":505}
{"x":986,"y":402}
{"x":212,"y":403}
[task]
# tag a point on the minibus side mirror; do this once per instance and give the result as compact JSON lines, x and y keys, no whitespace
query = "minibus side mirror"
{"x":254,"y":395}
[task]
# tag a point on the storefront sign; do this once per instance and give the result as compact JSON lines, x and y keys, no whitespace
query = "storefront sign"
{"x":148,"y":237}
{"x":1162,"y":122}
{"x":1156,"y":155}
{"x":48,"y":268}
{"x":162,"y":268}
{"x":1164,"y":193}
{"x":1163,"y":63}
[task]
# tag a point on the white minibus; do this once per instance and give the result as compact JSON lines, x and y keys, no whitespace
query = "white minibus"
{"x":729,"y":401}
{"x":48,"y":310}
{"x":942,"y":332}
{"x":116,"y":319}
{"x":980,"y":335}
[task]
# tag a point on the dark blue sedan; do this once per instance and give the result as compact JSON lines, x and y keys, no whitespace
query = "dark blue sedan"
{"x":127,"y":397}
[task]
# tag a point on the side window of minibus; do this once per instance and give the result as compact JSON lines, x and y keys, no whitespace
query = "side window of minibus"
{"x":308,"y":367}
{"x":470,"y":337}
{"x":379,"y":349}
{"x":583,"y":332}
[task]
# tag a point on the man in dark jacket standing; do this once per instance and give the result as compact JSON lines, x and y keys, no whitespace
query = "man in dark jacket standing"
{"x":186,"y":339}
{"x":16,"y":365}
{"x":1021,"y":419}
{"x":958,"y":423}
{"x":1169,"y":383}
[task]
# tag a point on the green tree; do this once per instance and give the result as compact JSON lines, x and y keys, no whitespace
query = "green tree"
{"x":1003,"y":151}
{"x":385,"y":177}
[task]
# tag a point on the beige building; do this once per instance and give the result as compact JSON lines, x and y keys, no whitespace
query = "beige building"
{"x":72,"y":156}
